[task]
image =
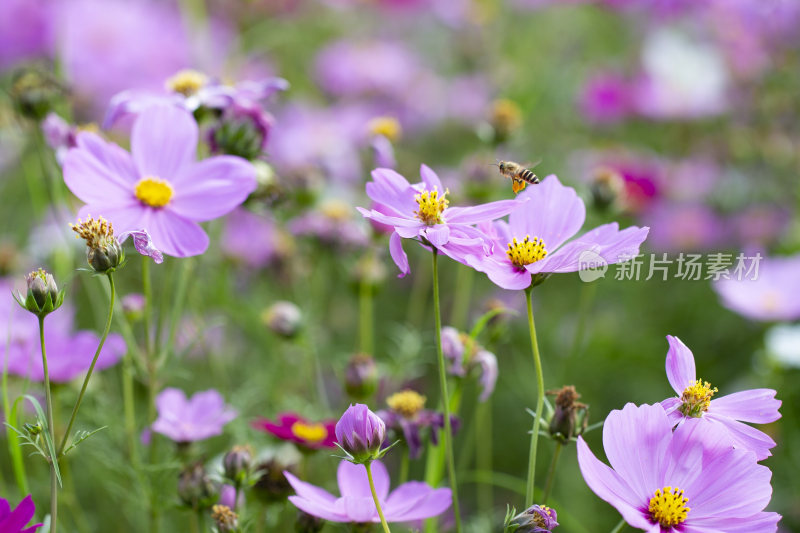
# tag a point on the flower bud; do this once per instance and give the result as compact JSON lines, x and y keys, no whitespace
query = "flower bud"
{"x":283,"y":318}
{"x":360,"y":433}
{"x":536,"y":519}
{"x":237,"y":463}
{"x":35,"y":92}
{"x":271,"y":485}
{"x":195,"y":488}
{"x":306,"y":523}
{"x":43,"y":296}
{"x":242,"y":131}
{"x":225,"y":519}
{"x":570,"y":416}
{"x":505,"y":118}
{"x":361,"y":376}
{"x":104,"y":254}
{"x":32,"y":429}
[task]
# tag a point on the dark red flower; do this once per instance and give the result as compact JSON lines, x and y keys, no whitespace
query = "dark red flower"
{"x":295,"y":428}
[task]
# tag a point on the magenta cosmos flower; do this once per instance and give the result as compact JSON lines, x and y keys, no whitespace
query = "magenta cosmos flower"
{"x":421,"y":211}
{"x":16,"y":520}
{"x":757,"y":406}
{"x":295,"y":428}
{"x":531,"y":242}
{"x":688,"y":481}
{"x":410,"y":501}
{"x":771,"y":296}
{"x":200,"y":417}
{"x":159,"y":186}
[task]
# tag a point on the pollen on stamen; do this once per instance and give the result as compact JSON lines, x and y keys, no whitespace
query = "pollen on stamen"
{"x":406,"y":402}
{"x":431,"y":206}
{"x":668,"y":507}
{"x":97,"y":233}
{"x":526,"y":252}
{"x":696,"y":398}
{"x":154,"y":192}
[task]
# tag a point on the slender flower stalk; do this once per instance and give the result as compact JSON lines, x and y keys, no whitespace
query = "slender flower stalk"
{"x":551,"y":473}
{"x":539,"y":401}
{"x":52,"y":430}
{"x":447,"y":434}
{"x":91,"y":367}
{"x":368,"y":466}
{"x":365,"y":308}
{"x":619,"y":526}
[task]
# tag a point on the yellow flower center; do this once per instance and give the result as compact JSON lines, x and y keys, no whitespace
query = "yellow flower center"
{"x":336,"y":209}
{"x":539,"y":519}
{"x":505,"y":115}
{"x":154,"y":192}
{"x":309,"y":432}
{"x":407,"y":403}
{"x":389,"y":127}
{"x":431,"y":206}
{"x":526,"y":252}
{"x":696,"y":398}
{"x":668,"y":507}
{"x":187,"y":82}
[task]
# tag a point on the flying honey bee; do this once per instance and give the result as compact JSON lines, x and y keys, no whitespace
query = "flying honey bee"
{"x":520,"y":175}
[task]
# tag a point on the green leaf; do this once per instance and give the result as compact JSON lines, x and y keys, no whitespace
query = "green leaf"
{"x":484,"y":319}
{"x":48,"y":439}
{"x":81,"y":436}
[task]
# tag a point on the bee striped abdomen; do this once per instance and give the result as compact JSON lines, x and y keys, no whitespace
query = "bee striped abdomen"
{"x":528,"y":176}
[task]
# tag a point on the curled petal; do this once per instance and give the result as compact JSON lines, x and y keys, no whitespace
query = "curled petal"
{"x":143,"y":244}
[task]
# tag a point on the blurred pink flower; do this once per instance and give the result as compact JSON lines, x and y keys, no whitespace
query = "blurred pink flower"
{"x":196,"y":418}
{"x":26,"y":30}
{"x":772,"y":296}
{"x":606,"y":98}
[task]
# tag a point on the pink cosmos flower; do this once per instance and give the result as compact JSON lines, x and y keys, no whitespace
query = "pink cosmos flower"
{"x":16,"y":520}
{"x":159,"y":186}
{"x":410,"y":501}
{"x":689,"y":481}
{"x":772,"y":295}
{"x":197,"y":418}
{"x":295,"y":428}
{"x":757,"y":406}
{"x":530,"y":243}
{"x":421,"y":212}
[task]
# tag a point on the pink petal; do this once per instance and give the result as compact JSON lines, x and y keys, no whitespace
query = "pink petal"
{"x":100,"y":172}
{"x":164,"y":141}
{"x":482,"y":212}
{"x":681,"y":371}
{"x":416,"y":501}
{"x":553,"y":213}
{"x":610,"y":487}
{"x":360,"y":508}
{"x":398,"y":254}
{"x":308,"y":491}
{"x":125,"y":218}
{"x":430,"y":179}
{"x":321,"y":510}
{"x":745,"y":437}
{"x":213,"y":187}
{"x":143,"y":244}
{"x":438,"y":235}
{"x":176,"y":236}
{"x":758,"y":406}
{"x":635,"y":440}
{"x":353,"y":480}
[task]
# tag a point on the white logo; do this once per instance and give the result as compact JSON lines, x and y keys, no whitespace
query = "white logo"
{"x":591,"y":266}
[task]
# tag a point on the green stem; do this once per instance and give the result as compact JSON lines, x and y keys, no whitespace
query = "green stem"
{"x":551,"y":473}
{"x":368,"y":466}
{"x":129,"y":407}
{"x":91,"y":367}
{"x":461,"y":299}
{"x":404,"y":463}
{"x":150,"y":364}
{"x":194,"y":526}
{"x":447,"y":434}
{"x":365,"y":317}
{"x":51,"y":429}
{"x":537,"y":360}
{"x":619,"y":526}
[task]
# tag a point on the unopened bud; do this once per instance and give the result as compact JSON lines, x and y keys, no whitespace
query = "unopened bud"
{"x":271,"y":485}
{"x":225,"y":519}
{"x":570,"y":416}
{"x":505,"y":118}
{"x":33,"y":429}
{"x":43,"y":296}
{"x":195,"y":488}
{"x":306,"y":523}
{"x":360,"y":433}
{"x":283,"y":318}
{"x":35,"y":92}
{"x":361,"y":376}
{"x":371,"y":270}
{"x":133,"y":306}
{"x":237,"y":463}
{"x":242,"y":131}
{"x":536,"y":519}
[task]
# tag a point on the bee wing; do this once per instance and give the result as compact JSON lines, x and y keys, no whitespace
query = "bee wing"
{"x":531,"y":166}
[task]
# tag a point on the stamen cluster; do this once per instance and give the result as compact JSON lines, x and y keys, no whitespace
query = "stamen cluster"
{"x":431,"y":206}
{"x":153,"y":191}
{"x":696,"y":398}
{"x":668,"y":507}
{"x":407,"y":403}
{"x":526,"y":252}
{"x":187,"y":82}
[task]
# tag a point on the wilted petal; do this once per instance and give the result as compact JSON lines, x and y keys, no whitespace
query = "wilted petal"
{"x":143,"y":244}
